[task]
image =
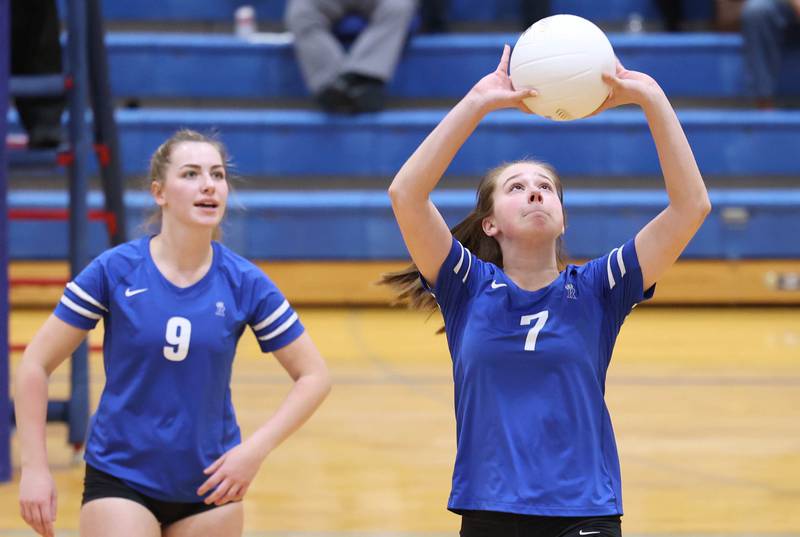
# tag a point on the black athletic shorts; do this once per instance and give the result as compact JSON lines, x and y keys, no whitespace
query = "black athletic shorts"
{"x":494,"y":524}
{"x":97,"y":484}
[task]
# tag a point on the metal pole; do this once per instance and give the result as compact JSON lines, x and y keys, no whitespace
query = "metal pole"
{"x":105,"y":128}
{"x":81,"y":147}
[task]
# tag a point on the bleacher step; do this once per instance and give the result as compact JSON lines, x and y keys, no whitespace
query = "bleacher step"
{"x":162,"y":65}
{"x":359,"y":225}
{"x":616,"y":143}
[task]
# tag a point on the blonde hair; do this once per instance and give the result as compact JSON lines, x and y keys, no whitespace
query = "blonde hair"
{"x":160,"y":160}
{"x":406,"y":282}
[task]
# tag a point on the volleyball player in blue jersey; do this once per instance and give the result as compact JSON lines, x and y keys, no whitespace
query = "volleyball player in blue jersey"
{"x":164,"y":454}
{"x":530,"y":338}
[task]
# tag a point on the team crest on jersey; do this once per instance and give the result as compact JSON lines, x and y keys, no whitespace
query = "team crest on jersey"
{"x":220,"y":309}
{"x":572,"y":293}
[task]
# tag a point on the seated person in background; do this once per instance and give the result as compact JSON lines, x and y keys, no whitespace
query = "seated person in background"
{"x":349,"y":81}
{"x":767,"y":27}
{"x":36,"y":50}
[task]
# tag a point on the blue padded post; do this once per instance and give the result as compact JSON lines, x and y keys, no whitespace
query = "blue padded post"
{"x":5,"y":403}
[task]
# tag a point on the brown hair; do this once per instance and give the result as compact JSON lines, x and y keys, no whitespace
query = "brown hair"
{"x":469,"y":232}
{"x":161,"y":159}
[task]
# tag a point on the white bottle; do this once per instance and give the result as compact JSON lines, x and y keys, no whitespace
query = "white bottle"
{"x":635,"y":23}
{"x":244,"y":21}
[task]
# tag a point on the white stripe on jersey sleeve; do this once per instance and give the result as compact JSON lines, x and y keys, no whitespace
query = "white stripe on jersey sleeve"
{"x":79,"y":309}
{"x":458,"y":265}
{"x":72,"y":286}
{"x":620,"y":262}
{"x":611,"y":282}
{"x":469,"y":266}
{"x":272,"y":317}
{"x":281,"y":329}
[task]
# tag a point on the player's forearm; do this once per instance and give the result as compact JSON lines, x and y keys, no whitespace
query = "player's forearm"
{"x":422,"y":171}
{"x":30,"y":406}
{"x":684,"y":183}
{"x":302,"y":400}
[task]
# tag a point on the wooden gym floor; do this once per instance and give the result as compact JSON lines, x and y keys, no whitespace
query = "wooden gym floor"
{"x":705,"y":402}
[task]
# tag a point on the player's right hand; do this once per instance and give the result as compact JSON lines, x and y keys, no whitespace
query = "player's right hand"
{"x":37,"y":500}
{"x":496,"y":91}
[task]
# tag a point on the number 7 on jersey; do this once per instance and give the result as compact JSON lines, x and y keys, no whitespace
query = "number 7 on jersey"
{"x":541,"y":318}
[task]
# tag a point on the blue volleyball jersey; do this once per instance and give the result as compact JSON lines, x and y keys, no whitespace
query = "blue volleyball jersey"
{"x":165,"y":413}
{"x":534,"y":435}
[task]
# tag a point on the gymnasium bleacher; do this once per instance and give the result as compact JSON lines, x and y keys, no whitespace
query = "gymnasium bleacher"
{"x":314,"y":185}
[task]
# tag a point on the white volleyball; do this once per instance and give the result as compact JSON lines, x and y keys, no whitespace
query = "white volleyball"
{"x":562,"y":57}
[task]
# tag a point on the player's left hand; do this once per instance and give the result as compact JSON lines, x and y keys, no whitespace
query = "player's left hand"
{"x":230,"y":475}
{"x":628,"y":87}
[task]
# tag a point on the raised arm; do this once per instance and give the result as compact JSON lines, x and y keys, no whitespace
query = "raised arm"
{"x":52,"y":344}
{"x":425,"y":232}
{"x":661,"y":241}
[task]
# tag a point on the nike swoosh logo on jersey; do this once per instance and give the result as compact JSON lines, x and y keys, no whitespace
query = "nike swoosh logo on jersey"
{"x":496,"y":285}
{"x":132,"y":292}
{"x":587,"y":532}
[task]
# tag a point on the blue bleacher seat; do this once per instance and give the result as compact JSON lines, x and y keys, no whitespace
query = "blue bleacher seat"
{"x":616,"y":143}
{"x":359,"y":224}
{"x":161,"y":65}
{"x":273,"y":141}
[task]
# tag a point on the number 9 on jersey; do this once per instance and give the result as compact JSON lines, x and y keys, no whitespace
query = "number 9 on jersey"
{"x":179,"y":332}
